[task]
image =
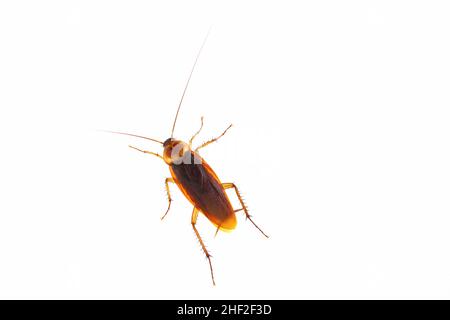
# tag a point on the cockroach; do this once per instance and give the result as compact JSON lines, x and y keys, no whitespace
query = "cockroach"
{"x":196,"y":179}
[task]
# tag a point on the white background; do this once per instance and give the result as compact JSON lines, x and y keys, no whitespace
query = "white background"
{"x":340,"y":145}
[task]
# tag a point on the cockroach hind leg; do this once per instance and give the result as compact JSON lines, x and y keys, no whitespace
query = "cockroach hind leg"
{"x":230,"y":185}
{"x":208,"y":255}
{"x":217,"y":231}
{"x":169,"y":198}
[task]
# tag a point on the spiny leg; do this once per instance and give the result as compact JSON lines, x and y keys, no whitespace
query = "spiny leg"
{"x":168,"y":196}
{"x":147,"y":152}
{"x":208,"y":256}
{"x":213,"y":140}
{"x":232,"y":185}
{"x":193,"y":137}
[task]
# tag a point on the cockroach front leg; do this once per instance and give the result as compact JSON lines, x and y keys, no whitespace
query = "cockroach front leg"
{"x":168,"y":196}
{"x":196,"y":134}
{"x":147,"y":152}
{"x":213,"y":140}
{"x":244,"y":207}
{"x":208,"y":256}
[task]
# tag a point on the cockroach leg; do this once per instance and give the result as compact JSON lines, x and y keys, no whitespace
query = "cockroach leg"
{"x":232,"y":185}
{"x":213,"y":140}
{"x":168,"y":195}
{"x":147,"y":152}
{"x":208,"y":256}
{"x":217,"y":230}
{"x":193,"y":137}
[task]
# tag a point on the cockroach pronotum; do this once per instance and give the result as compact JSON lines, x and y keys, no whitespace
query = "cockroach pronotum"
{"x":197,"y":180}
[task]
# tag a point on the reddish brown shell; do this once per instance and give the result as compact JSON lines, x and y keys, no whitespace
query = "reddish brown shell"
{"x":201,"y":186}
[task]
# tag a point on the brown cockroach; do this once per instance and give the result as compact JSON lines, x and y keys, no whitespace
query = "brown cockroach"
{"x":197,"y":180}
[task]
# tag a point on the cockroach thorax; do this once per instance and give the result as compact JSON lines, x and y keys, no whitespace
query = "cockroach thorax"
{"x":175,"y":151}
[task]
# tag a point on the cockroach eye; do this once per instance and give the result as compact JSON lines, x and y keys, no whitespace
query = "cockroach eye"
{"x":166,"y":143}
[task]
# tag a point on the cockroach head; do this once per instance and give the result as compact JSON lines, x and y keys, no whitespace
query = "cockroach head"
{"x":168,"y":142}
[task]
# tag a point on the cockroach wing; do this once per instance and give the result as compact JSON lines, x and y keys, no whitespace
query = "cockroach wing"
{"x":201,"y":186}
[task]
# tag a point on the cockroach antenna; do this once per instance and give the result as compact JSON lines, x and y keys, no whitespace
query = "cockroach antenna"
{"x":132,"y":135}
{"x":187,"y":83}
